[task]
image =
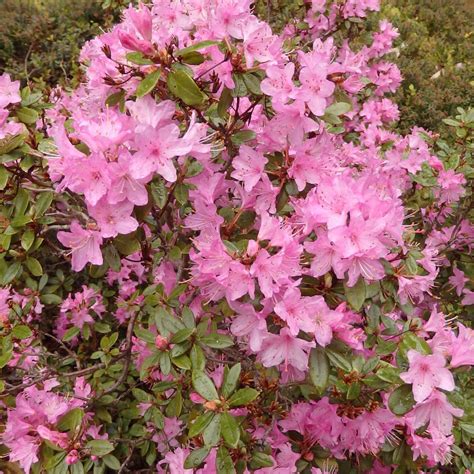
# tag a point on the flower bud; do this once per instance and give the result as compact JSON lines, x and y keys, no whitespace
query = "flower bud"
{"x":72,"y":457}
{"x":161,"y":342}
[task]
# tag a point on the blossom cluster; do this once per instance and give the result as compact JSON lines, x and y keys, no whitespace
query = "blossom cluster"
{"x":224,"y":188}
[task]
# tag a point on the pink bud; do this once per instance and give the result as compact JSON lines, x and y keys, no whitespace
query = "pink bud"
{"x":142,"y":21}
{"x":131,"y":42}
{"x":196,"y":398}
{"x":252,"y":248}
{"x":161,"y":342}
{"x":72,"y":457}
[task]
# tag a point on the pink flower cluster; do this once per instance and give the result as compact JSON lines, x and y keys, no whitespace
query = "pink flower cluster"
{"x":34,"y":418}
{"x":295,"y":197}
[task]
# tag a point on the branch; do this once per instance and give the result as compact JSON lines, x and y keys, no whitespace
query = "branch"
{"x":128,"y":356}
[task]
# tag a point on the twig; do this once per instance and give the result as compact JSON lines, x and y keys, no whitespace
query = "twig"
{"x":128,"y":356}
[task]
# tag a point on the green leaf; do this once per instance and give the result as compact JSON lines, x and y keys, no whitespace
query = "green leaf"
{"x":195,"y":47}
{"x":389,"y":374}
{"x":224,"y":463}
{"x":231,"y":379}
{"x":148,"y":83}
{"x":52,"y":461}
{"x":112,"y":462}
{"x":127,"y":244}
{"x":20,"y":221}
{"x":203,"y":385}
{"x":115,"y":98}
{"x":21,"y":332}
{"x":356,"y":294}
{"x":200,"y":423}
{"x":27,"y":115}
{"x":244,"y":396}
{"x":21,"y":201}
{"x":225,"y":102}
{"x":242,"y":136}
{"x":137,"y":58}
{"x":182,"y":85}
{"x":27,"y":239}
{"x":10,"y":142}
{"x":165,"y":363}
{"x":5,"y":358}
{"x":197,"y":358}
{"x":196,"y":457}
{"x":182,"y":361}
{"x":71,"y":333}
{"x":11,"y":273}
{"x":412,"y":341}
{"x":42,"y":203}
{"x":338,"y":108}
{"x":451,"y":122}
{"x":145,"y":335}
{"x":319,"y":368}
{"x":51,"y":298}
{"x":71,"y":420}
{"x":230,"y":429}
{"x":100,"y":447}
{"x":260,"y":459}
{"x":354,"y":391}
{"x":4,"y":175}
{"x":217,"y":341}
{"x":212,"y":433}
{"x":112,"y":257}
{"x":159,"y":193}
{"x":193,"y":58}
{"x":401,"y":400}
{"x":182,"y":335}
{"x":339,"y":360}
{"x":181,"y":193}
{"x":194,"y":168}
{"x":34,"y":266}
{"x":175,"y":407}
{"x":240,"y":89}
{"x":252,"y":82}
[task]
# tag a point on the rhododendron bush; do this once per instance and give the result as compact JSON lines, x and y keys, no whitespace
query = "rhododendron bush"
{"x":218,"y":255}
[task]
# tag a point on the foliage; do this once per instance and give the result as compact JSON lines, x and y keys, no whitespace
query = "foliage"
{"x":46,"y":50}
{"x":266,"y":277}
{"x":436,"y":59}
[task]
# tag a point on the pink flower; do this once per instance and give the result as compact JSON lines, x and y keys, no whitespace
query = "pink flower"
{"x":248,"y":167}
{"x":468,"y":297}
{"x":427,"y":372}
{"x":72,"y":457}
{"x":437,"y":449}
{"x":156,"y":150}
{"x":124,"y":186}
{"x":458,"y":280}
{"x":279,"y":82}
{"x":462,"y":349}
{"x":284,"y":347}
{"x":9,"y":91}
{"x":113,"y":219}
{"x":84,"y":245}
{"x":437,"y":411}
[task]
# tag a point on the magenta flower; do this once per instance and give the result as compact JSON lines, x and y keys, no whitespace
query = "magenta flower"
{"x":9,"y":91}
{"x":248,"y":166}
{"x":283,"y":347}
{"x":437,"y":411}
{"x":84,"y":244}
{"x":462,"y":349}
{"x":426,"y":373}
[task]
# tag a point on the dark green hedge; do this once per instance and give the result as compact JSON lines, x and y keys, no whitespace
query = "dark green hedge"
{"x":40,"y":40}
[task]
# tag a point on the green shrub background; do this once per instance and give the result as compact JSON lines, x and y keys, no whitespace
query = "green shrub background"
{"x":40,"y":41}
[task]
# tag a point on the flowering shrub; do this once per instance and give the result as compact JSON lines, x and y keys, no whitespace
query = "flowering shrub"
{"x":265,"y":277}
